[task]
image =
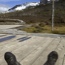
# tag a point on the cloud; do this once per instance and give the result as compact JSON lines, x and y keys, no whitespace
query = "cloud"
{"x":8,"y":0}
{"x":3,"y":8}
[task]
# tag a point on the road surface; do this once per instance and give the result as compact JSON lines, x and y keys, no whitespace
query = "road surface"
{"x":8,"y":26}
{"x":31,"y":49}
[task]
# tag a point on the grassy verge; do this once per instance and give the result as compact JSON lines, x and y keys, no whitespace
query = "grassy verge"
{"x":45,"y":29}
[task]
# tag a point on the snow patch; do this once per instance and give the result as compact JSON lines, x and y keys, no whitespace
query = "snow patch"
{"x":24,"y":6}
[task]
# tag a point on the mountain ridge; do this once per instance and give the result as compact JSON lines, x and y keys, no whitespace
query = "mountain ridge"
{"x":23,"y":6}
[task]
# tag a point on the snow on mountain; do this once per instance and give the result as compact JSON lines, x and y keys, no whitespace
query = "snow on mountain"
{"x":23,"y":6}
{"x":20,"y":7}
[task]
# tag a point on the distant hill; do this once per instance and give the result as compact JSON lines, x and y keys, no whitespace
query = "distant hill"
{"x":39,"y":13}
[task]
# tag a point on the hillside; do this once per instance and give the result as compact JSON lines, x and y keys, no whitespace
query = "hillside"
{"x":39,"y":18}
{"x":41,"y":13}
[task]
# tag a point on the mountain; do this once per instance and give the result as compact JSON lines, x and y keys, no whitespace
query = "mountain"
{"x":23,"y":6}
{"x":40,"y":13}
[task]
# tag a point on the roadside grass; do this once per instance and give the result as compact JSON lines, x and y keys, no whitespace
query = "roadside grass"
{"x":59,"y":30}
{"x":45,"y":29}
{"x":29,"y":29}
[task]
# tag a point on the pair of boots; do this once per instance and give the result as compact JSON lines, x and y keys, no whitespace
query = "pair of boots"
{"x":11,"y":59}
